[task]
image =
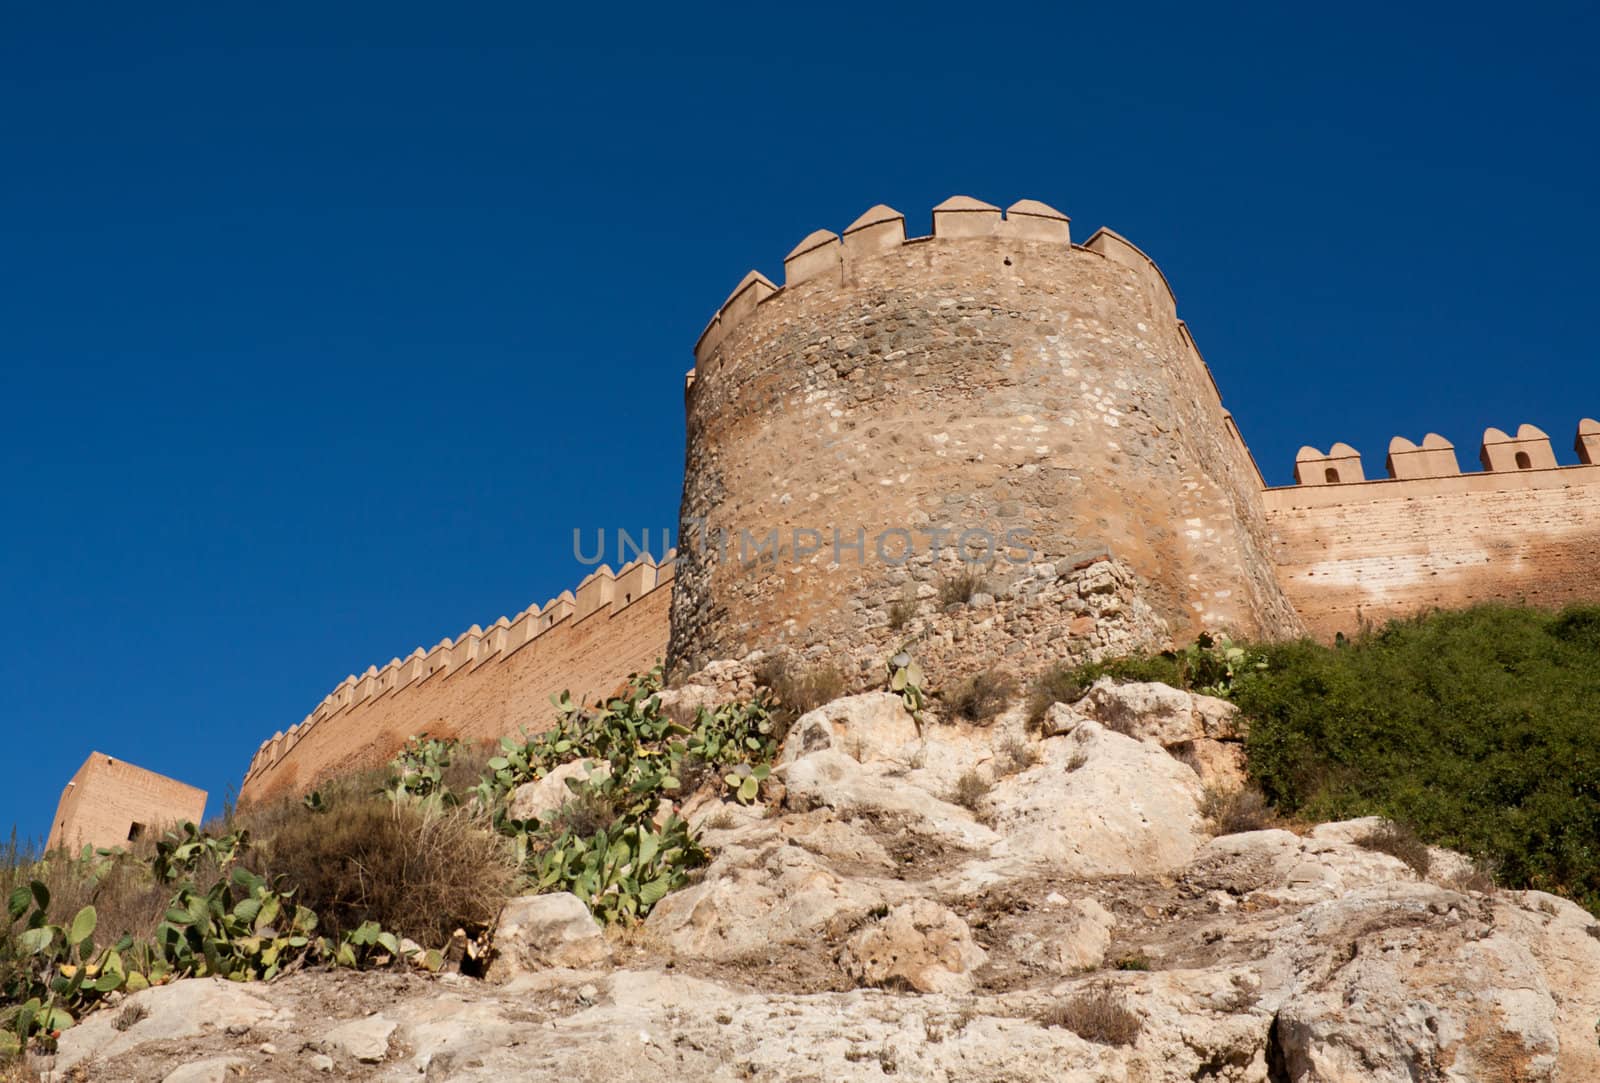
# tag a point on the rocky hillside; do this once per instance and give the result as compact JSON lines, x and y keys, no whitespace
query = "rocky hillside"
{"x":961,"y":903}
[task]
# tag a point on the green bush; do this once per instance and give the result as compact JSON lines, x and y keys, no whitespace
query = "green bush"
{"x":1475,"y":728}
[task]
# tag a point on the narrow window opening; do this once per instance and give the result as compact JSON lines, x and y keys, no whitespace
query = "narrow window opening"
{"x":135,"y":832}
{"x":1331,"y":476}
{"x":1524,"y":462}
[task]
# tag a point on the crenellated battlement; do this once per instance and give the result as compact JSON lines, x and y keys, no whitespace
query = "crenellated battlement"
{"x":989,"y":379}
{"x":1435,"y":457}
{"x":602,"y":591}
{"x":831,"y":256}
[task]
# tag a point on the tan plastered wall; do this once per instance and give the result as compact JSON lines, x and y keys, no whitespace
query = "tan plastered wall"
{"x":1380,"y":549}
{"x":108,"y":796}
{"x":493,"y":696}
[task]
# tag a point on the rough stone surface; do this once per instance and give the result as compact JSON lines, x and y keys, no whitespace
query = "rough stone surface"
{"x":919,"y":943}
{"x":799,"y":953}
{"x":960,"y":383}
{"x":537,"y":931}
{"x":1100,"y":804}
{"x":538,"y":799}
{"x":211,"y":1070}
{"x":871,"y":726}
{"x":365,"y":1040}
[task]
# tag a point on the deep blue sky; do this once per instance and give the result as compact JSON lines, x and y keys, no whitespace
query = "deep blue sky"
{"x":321,"y":326}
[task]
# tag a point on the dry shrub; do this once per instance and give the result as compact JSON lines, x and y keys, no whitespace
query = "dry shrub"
{"x":584,"y":815}
{"x":1398,"y":840}
{"x":16,"y":1070}
{"x":416,"y":873}
{"x":1099,"y":1016}
{"x":984,"y":695}
{"x":1058,"y":684}
{"x":124,"y":893}
{"x":1015,"y":754}
{"x":798,"y":689}
{"x":1230,"y":812}
{"x":1480,"y":878}
{"x":971,"y":789}
{"x":902,"y":610}
{"x":959,"y":587}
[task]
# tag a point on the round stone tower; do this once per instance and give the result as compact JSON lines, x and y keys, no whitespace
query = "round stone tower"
{"x":990,"y":442}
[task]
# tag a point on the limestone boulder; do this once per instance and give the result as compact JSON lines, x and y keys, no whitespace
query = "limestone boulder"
{"x":1430,"y":988}
{"x":869,"y":726}
{"x":364,"y":1040}
{"x":181,"y":1011}
{"x":761,"y":891}
{"x":539,"y":931}
{"x":719,"y":682}
{"x":1156,"y":712}
{"x":831,"y":779}
{"x":540,"y":798}
{"x":921,"y":944}
{"x":1101,"y":804}
{"x":209,"y":1070}
{"x":1082,"y":937}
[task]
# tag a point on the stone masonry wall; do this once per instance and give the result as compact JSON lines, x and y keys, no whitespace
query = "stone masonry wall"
{"x":1380,"y":549}
{"x":991,"y":377}
{"x":484,"y":685}
{"x":107,"y":797}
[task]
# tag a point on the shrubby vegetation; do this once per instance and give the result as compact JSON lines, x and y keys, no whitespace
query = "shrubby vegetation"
{"x":1474,"y":729}
{"x":376,"y":867}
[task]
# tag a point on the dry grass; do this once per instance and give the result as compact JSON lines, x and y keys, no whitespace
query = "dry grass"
{"x":1058,"y":684}
{"x":1099,"y":1016}
{"x":902,"y":610}
{"x":1398,"y":840}
{"x":417,"y":874}
{"x":1231,"y":812}
{"x":126,"y":898}
{"x":982,"y":696}
{"x":16,"y":1070}
{"x":959,"y":587}
{"x":971,"y":789}
{"x":1015,"y":754}
{"x":798,"y":689}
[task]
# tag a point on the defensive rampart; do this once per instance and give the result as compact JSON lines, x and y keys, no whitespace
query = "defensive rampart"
{"x":1523,"y":529}
{"x":991,"y":381}
{"x":486,"y":683}
{"x":901,"y":405}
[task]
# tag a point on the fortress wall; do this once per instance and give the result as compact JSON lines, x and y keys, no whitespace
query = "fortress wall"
{"x":107,"y":797}
{"x":483,"y":685}
{"x":993,"y":376}
{"x":1386,"y":548}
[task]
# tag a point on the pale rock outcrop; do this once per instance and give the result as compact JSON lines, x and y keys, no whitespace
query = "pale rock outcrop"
{"x":831,"y":779}
{"x":1156,"y":712}
{"x":1271,"y":956}
{"x":210,"y":1070}
{"x":1083,"y":937}
{"x":870,"y":726}
{"x":365,"y":1040}
{"x":919,"y":943}
{"x":541,"y":797}
{"x":720,"y":682}
{"x":182,"y":1010}
{"x":1427,"y":988}
{"x":1100,"y":804}
{"x":763,"y":890}
{"x":537,"y":931}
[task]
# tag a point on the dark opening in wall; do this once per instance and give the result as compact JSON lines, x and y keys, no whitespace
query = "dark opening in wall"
{"x":135,"y":832}
{"x":1523,"y":461}
{"x":1331,"y":476}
